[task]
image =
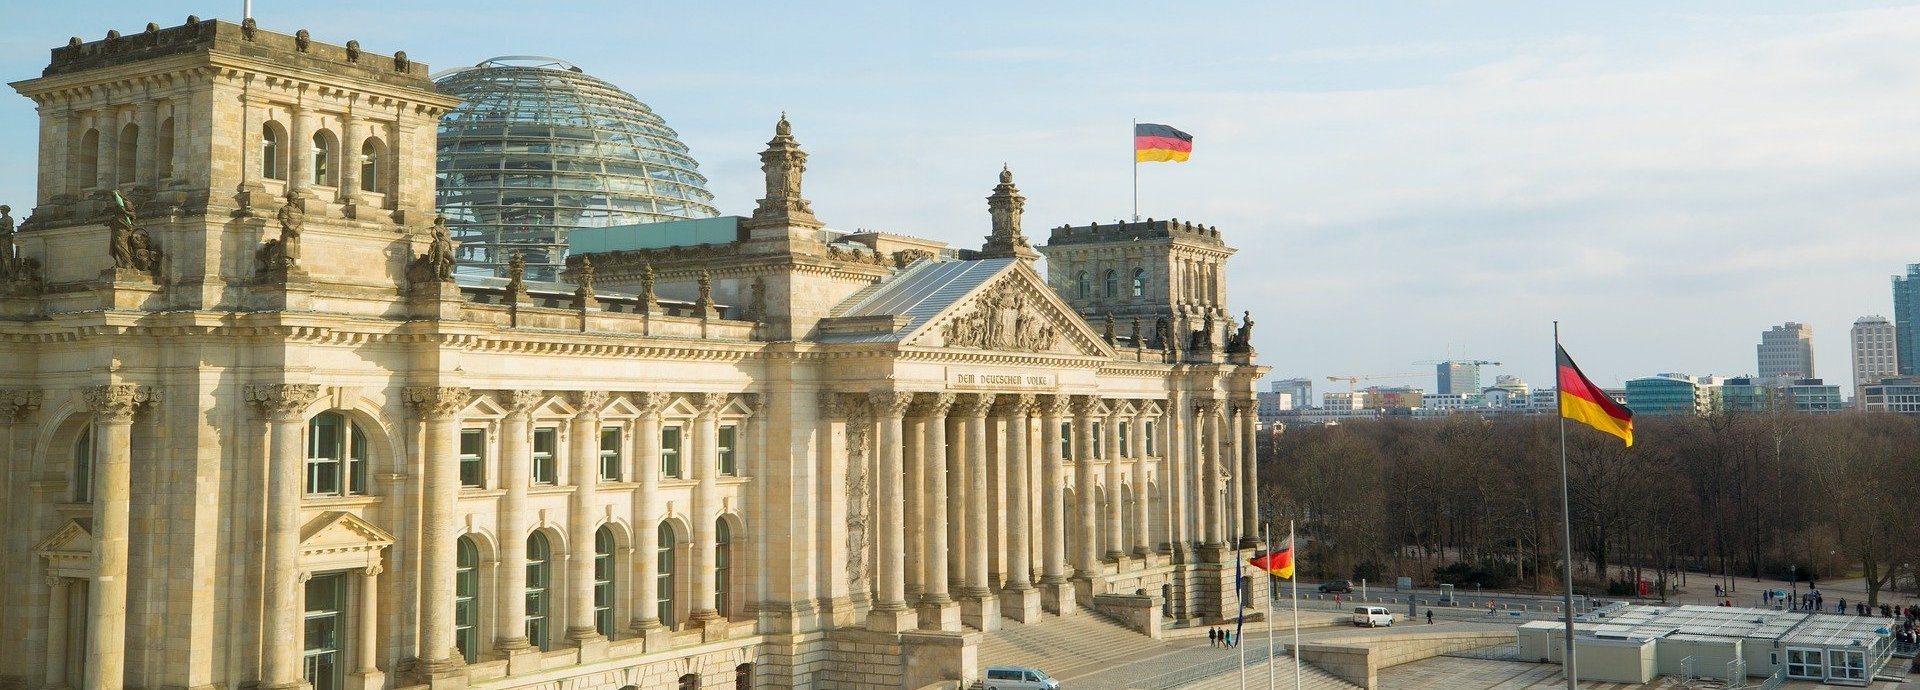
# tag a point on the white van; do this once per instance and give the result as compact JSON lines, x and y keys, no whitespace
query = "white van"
{"x":1371,"y":616}
{"x":1018,"y":678}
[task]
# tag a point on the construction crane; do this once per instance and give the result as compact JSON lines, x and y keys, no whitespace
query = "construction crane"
{"x":1355,"y":379}
{"x":1475,"y":362}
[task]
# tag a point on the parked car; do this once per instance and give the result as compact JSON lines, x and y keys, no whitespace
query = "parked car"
{"x":1341,"y":586}
{"x":1372,"y":616}
{"x":1020,"y":678}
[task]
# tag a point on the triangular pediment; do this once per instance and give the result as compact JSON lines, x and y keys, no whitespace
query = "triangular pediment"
{"x":335,"y":530}
{"x":68,"y":540}
{"x":1012,"y":312}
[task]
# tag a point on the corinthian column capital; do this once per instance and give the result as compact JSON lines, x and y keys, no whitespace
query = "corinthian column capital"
{"x":280,"y":401}
{"x":970,"y":405}
{"x":1056,"y":405}
{"x":115,"y":403}
{"x":521,"y":403}
{"x":18,"y":404}
{"x":890,"y":404}
{"x":438,"y":402}
{"x":589,"y":402}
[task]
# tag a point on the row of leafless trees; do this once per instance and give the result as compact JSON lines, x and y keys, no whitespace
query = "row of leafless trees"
{"x":1737,"y":494}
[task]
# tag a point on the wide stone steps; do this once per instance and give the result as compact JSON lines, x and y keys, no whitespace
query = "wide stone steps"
{"x":1064,"y":646}
{"x":1311,"y":678}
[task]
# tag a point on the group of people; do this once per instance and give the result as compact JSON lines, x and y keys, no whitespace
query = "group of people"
{"x":1221,"y":637}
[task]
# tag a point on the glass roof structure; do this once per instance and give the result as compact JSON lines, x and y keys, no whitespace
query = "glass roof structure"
{"x":538,"y":148}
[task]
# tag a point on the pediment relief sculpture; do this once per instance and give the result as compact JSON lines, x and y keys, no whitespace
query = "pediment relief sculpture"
{"x":1004,"y":317}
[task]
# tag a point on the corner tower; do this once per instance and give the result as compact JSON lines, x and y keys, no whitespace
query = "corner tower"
{"x":1151,"y":270}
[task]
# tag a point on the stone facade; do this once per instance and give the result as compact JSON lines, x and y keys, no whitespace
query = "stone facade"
{"x":257,"y":435}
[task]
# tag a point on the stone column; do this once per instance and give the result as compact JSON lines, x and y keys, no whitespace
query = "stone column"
{"x":646,"y":517}
{"x":584,"y":465}
{"x":705,"y":463}
{"x":890,"y":612}
{"x":861,"y":552}
{"x":366,"y":643}
{"x":1235,"y":481}
{"x":146,"y":167}
{"x":1142,"y":496}
{"x":438,"y":406}
{"x":108,"y":122}
{"x":979,"y":607}
{"x":1086,"y":555}
{"x":299,"y":149}
{"x":1212,"y":531}
{"x":1055,"y":594}
{"x":913,"y":458}
{"x":1116,"y":520}
{"x":1177,"y":481}
{"x":285,"y":406}
{"x":350,"y":136}
{"x":1249,"y":475}
{"x":1018,"y":599}
{"x":57,"y":631}
{"x":938,"y":610}
{"x":516,"y":473}
{"x":955,"y":433}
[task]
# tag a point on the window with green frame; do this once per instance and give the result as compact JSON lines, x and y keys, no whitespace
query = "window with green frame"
{"x":1148,"y":431}
{"x":473,"y":458}
{"x":670,"y":452}
{"x":727,"y":435}
{"x":539,"y":576}
{"x":663,"y":574}
{"x":610,"y":454}
{"x":466,"y":599}
{"x":722,"y":564}
{"x":603,"y":570}
{"x":336,"y":456}
{"x":1066,"y":440}
{"x":545,"y":470}
{"x":83,"y":466}
{"x":1125,"y":442}
{"x":1098,"y":452}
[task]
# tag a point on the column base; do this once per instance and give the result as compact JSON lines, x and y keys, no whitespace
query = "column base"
{"x":1056,"y":597}
{"x":522,"y":659}
{"x":1213,"y":552}
{"x":981,"y":610}
{"x":838,"y":612}
{"x":934,"y":657}
{"x":942,"y":614}
{"x":1022,"y":604}
{"x":1116,"y":556}
{"x":592,"y":644}
{"x":654,"y":636}
{"x":366,"y":680}
{"x":438,"y":674}
{"x":1249,"y":542}
{"x":902,"y":619}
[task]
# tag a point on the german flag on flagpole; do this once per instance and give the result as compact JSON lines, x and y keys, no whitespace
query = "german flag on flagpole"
{"x":1154,"y":143}
{"x":1583,"y":402}
{"x":1280,"y":563}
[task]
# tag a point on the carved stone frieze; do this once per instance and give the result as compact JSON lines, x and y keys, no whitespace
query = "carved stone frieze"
{"x":858,"y":521}
{"x":282,"y":400}
{"x":1004,"y":317}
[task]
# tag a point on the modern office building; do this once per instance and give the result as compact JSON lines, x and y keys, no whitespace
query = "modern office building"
{"x":1781,"y":395}
{"x":1300,"y":388}
{"x":1875,"y":353}
{"x":1787,"y":350}
{"x":538,"y":148}
{"x":1906,"y":320}
{"x":1896,"y":394}
{"x":1456,"y":376}
{"x":259,"y":432}
{"x":1672,"y":395}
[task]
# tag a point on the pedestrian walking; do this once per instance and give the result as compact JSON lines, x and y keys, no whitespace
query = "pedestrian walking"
{"x":1490,"y":608}
{"x":1213,"y":637}
{"x":1429,"y":616}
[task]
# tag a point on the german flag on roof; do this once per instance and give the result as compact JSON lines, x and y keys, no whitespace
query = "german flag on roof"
{"x":1153,"y":143}
{"x":1583,"y":402}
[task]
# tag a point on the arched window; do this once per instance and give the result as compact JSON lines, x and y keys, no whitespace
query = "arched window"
{"x":125,"y":160}
{"x":88,"y":170}
{"x":272,"y":152}
{"x":466,"y":599}
{"x":538,"y":580}
{"x":336,"y":456}
{"x":163,"y":153}
{"x":743,"y":677}
{"x":1083,"y":284}
{"x":370,"y":167}
{"x":83,"y":466}
{"x":722,"y":564}
{"x":603,"y":580}
{"x":1113,"y":283}
{"x":663,"y":574}
{"x":1139,"y":282}
{"x":324,"y":146}
{"x":690,"y":681}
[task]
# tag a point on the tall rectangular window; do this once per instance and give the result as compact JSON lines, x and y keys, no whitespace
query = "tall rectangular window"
{"x":1151,"y":450}
{"x":670,"y":452}
{"x":610,"y":453}
{"x":1098,"y":452}
{"x":1066,"y":440}
{"x":473,"y":458}
{"x":326,"y":631}
{"x":1126,"y":443}
{"x":726,"y":455}
{"x":544,"y":471}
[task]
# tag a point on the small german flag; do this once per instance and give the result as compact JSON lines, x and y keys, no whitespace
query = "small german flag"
{"x":1583,"y":402}
{"x":1279,"y":562}
{"x":1152,"y":143}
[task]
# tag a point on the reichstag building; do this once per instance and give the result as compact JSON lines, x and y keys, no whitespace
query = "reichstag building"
{"x":724,"y":452}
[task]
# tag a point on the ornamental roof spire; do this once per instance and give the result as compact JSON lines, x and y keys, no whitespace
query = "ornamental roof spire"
{"x":784,"y":163}
{"x":1006,"y":205}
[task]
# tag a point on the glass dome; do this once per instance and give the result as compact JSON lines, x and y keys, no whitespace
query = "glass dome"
{"x":538,"y":148}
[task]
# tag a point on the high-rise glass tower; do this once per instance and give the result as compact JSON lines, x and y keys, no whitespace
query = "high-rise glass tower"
{"x":538,"y":148}
{"x":1906,"y":318}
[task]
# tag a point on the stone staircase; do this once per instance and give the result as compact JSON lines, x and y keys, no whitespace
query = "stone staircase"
{"x":1065,"y":646}
{"x":1311,"y":678}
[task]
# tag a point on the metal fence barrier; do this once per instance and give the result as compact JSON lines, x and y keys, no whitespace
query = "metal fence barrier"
{"x":1199,"y":672}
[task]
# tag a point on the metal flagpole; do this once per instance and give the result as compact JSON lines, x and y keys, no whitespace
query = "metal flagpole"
{"x":1566,"y":518}
{"x":1240,"y":589}
{"x":1294,"y":581}
{"x":1266,"y":535}
{"x":246,"y":9}
{"x":1133,"y":154}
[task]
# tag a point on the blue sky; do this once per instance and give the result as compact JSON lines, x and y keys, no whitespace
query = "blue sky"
{"x":1405,"y":180}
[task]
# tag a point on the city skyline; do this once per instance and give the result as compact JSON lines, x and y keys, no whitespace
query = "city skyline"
{"x":1627,"y":169}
